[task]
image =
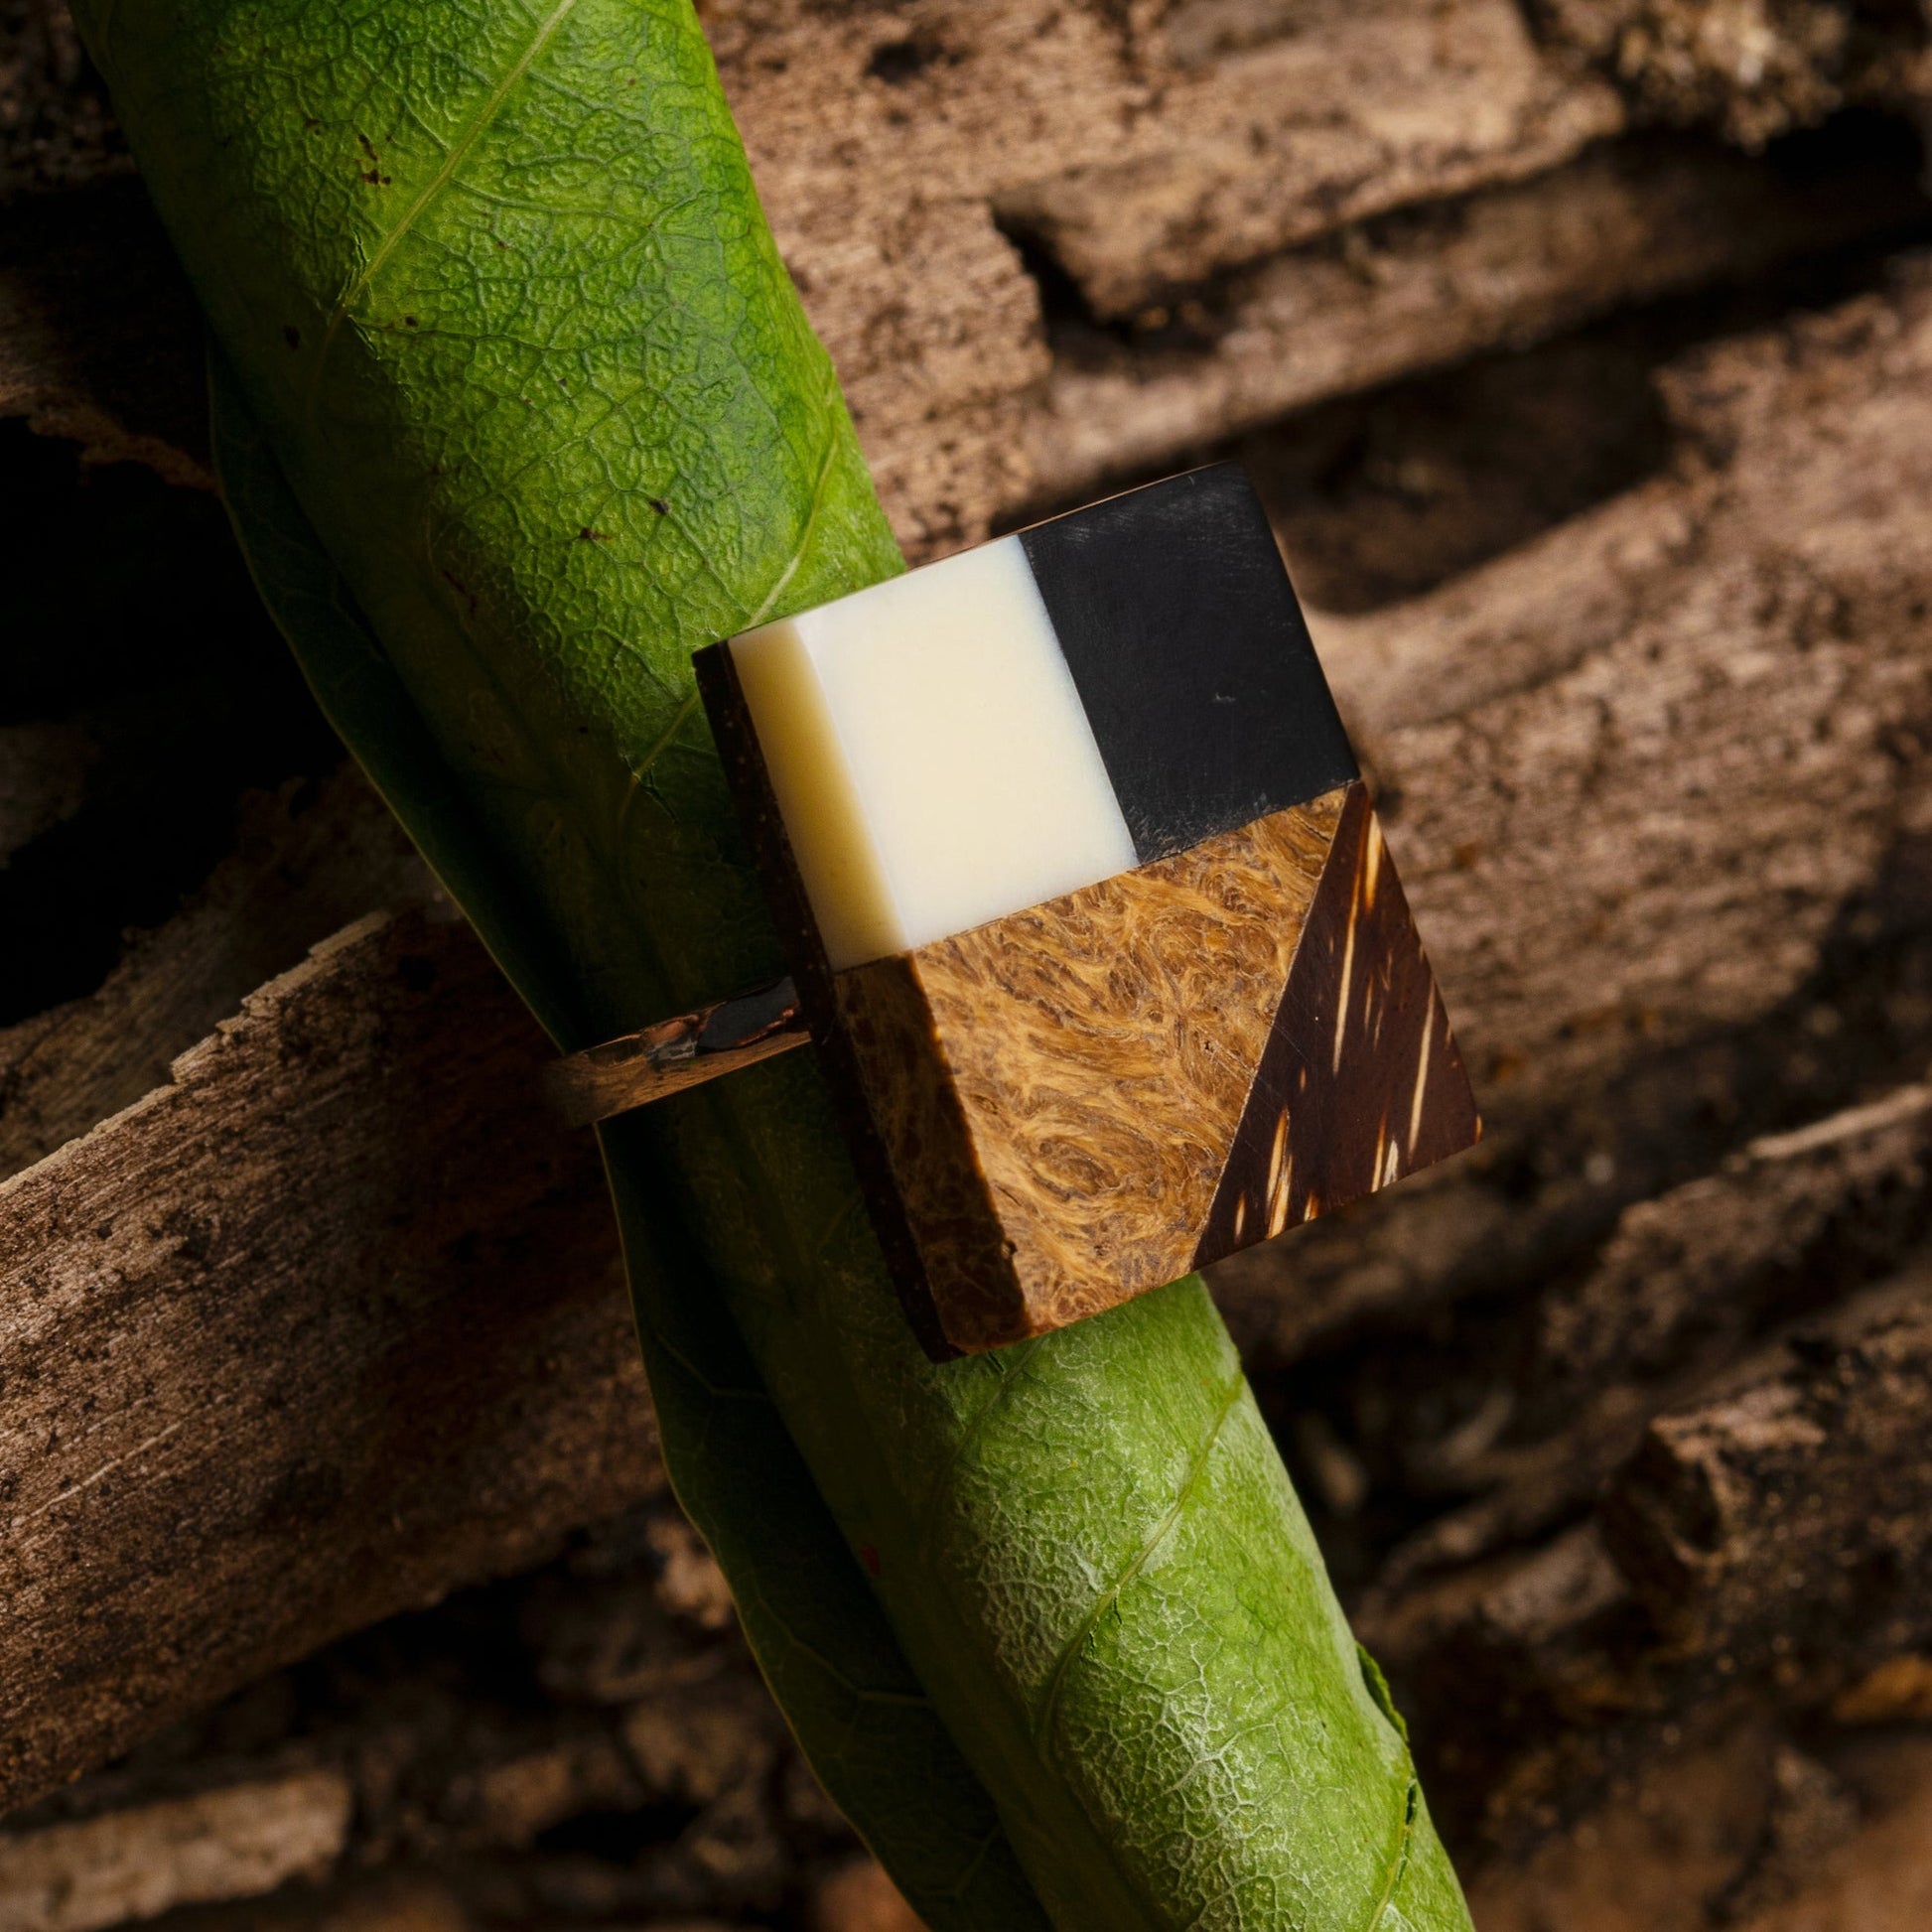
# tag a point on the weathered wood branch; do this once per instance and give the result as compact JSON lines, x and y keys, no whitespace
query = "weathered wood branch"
{"x":1758,"y":69}
{"x":1678,"y":1290}
{"x":329,"y":1324}
{"x":1279,"y":141}
{"x":302,"y":869}
{"x":1647,"y":763}
{"x":1306,"y":212}
{"x":1788,"y":1513}
{"x":335,"y":1246}
{"x":1425,"y":287}
{"x":1765,"y":1546}
{"x":99,"y":341}
{"x":1642,"y":775}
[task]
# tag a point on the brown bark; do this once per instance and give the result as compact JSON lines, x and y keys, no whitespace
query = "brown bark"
{"x":343,"y":1243}
{"x":1786,"y":1511}
{"x":98,"y":339}
{"x":1758,"y":68}
{"x":303,"y":869}
{"x":1425,"y":287}
{"x":1268,"y":258}
{"x":1730,"y":612}
{"x":1612,"y":1431}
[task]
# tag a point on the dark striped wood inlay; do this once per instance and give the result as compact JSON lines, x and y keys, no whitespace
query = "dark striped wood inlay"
{"x":1360,"y":1082}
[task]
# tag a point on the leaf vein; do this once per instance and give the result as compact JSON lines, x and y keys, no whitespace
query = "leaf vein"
{"x":1197,"y":1470}
{"x":457,"y":154}
{"x":642,"y":770}
{"x":1399,"y":1863}
{"x":791,"y":570}
{"x":1017,"y":1363}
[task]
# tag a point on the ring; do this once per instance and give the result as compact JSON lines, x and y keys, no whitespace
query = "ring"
{"x":1087,"y":912}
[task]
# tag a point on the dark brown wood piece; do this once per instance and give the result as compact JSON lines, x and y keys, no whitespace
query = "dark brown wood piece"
{"x":329,"y":1324}
{"x":1361,"y":1082}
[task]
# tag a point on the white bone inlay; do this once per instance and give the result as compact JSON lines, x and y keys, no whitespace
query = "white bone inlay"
{"x":929,"y":755}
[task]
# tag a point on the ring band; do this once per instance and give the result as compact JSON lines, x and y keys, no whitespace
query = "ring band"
{"x":637,"y":1068}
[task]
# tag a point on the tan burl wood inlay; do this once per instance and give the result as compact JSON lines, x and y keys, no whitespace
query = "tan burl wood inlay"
{"x":1070,"y":1078}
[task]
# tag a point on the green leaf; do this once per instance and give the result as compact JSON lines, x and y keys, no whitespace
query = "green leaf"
{"x":817,"y":1631}
{"x":514,"y":356}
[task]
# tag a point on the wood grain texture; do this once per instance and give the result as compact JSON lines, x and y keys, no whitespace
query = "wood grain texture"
{"x":929,"y":1179}
{"x":305,"y":865}
{"x":1360,"y":1082}
{"x":1349,"y":206}
{"x":1057,"y":1090}
{"x":1756,"y":609}
{"x":332,"y":1322}
{"x":1426,"y":285}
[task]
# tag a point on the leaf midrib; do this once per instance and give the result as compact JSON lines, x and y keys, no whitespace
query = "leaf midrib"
{"x":459,"y":152}
{"x":1077,"y":1642}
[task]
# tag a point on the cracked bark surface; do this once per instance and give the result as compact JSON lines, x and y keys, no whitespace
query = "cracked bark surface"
{"x":1227,"y":255}
{"x":1448,"y":696}
{"x":1612,"y":1433}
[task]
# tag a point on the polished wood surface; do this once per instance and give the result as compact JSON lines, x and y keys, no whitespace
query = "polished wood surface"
{"x":1073,"y":1074}
{"x":1361,"y":1082}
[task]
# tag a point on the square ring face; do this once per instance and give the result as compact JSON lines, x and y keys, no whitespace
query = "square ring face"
{"x":1096,"y":928}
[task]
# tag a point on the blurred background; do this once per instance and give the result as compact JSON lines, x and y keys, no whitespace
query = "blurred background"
{"x":1583,"y":351}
